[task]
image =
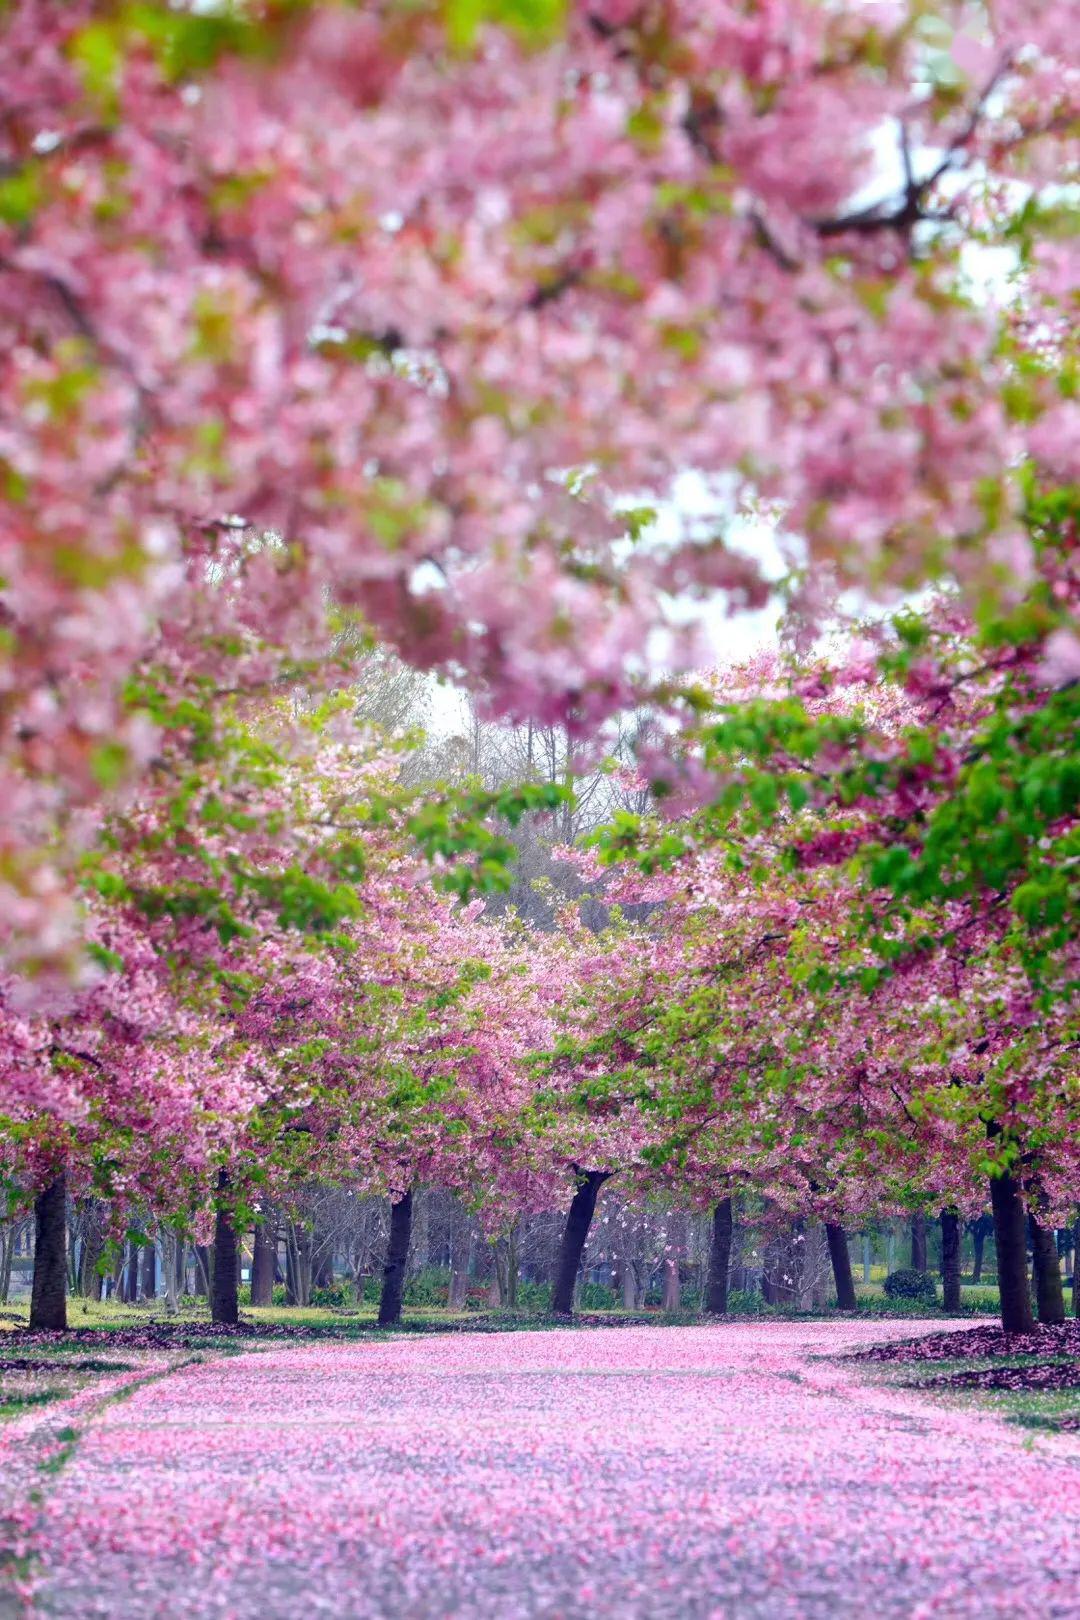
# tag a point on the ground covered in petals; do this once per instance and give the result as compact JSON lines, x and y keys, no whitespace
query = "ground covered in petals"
{"x":986,"y":1340}
{"x":736,"y":1472}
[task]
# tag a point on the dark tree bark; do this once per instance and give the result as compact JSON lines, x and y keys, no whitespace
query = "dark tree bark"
{"x":149,"y":1272}
{"x":397,"y":1258}
{"x":48,"y":1299}
{"x":1049,"y":1293}
{"x":297,"y":1263}
{"x":980,"y":1231}
{"x":716,"y":1287}
{"x":918,"y":1243}
{"x":323,"y":1253}
{"x":224,"y":1300}
{"x":950,"y":1260}
{"x":575,"y":1235}
{"x":263,"y":1258}
{"x":841,"y":1266}
{"x":1010,"y":1240}
{"x":1076,"y":1269}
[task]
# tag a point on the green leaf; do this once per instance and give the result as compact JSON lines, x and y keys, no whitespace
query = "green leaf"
{"x":535,"y":21}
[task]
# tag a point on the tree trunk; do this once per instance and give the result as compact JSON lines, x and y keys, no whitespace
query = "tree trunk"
{"x":504,"y":1270}
{"x":202,"y":1271}
{"x":672,"y":1299}
{"x":511,"y":1252}
{"x":224,"y":1300}
{"x":841,"y":1266}
{"x":73,"y":1252}
{"x":1010,"y":1240}
{"x":131,"y":1284}
{"x":90,"y":1278}
{"x":978,"y":1240}
{"x":116,"y":1277}
{"x":170,"y":1269}
{"x":867,"y":1259}
{"x":397,"y":1258}
{"x":1076,"y":1269}
{"x":322,"y":1249}
{"x":575,"y":1233}
{"x":716,"y":1287}
{"x":630,"y":1291}
{"x":149,"y":1272}
{"x":1049,"y":1294}
{"x":262,"y":1265}
{"x":7,"y":1255}
{"x":918,"y":1242}
{"x":48,"y":1299}
{"x":950,"y":1260}
{"x":297,"y":1264}
{"x":460,"y":1271}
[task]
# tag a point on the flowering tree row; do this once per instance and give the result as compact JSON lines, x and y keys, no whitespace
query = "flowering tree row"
{"x":864,"y":987}
{"x":325,"y":326}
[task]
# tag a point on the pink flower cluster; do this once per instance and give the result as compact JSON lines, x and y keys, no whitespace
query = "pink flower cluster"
{"x":346,"y":314}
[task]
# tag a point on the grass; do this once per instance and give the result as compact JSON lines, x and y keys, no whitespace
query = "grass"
{"x":66,"y":1439}
{"x":107,"y":1316}
{"x":1049,"y":1410}
{"x":976,"y":1299}
{"x":13,"y":1403}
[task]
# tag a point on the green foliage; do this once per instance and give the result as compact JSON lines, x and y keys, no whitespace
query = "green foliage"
{"x":979,"y":1302}
{"x":911,"y":1285}
{"x":534,"y":20}
{"x":337,"y":1296}
{"x":745,"y":1302}
{"x":534,"y":1296}
{"x":453,"y":826}
{"x":431,"y":1286}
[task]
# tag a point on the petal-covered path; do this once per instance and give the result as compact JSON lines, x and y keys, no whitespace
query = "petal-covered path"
{"x":648,"y":1472}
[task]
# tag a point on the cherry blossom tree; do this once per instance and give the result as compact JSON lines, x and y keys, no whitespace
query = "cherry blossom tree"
{"x":411,"y":315}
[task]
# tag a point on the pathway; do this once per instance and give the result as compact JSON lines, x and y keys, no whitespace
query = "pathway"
{"x":713,"y":1473}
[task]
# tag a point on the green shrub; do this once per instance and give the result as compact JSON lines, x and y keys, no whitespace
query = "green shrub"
{"x":745,"y":1302}
{"x":909,"y":1284}
{"x":334,"y":1297}
{"x":429,"y":1287}
{"x":979,"y":1302}
{"x":533,"y":1296}
{"x":594,"y":1297}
